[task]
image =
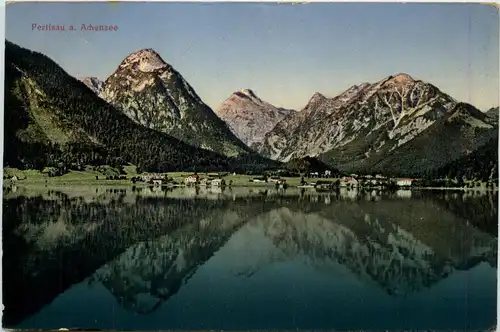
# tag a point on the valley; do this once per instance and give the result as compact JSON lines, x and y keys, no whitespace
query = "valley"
{"x":152,"y":119}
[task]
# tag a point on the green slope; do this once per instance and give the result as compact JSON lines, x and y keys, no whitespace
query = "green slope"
{"x":482,"y":164}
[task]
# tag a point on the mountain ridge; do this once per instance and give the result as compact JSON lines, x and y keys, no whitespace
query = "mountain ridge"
{"x":367,"y":121}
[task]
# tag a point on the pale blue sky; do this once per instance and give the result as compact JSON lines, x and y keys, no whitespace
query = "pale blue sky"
{"x":283,"y":52}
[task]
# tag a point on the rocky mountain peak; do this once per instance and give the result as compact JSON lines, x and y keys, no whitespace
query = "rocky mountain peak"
{"x":246,"y":93}
{"x":145,"y":60}
{"x":400,"y":78}
{"x":93,"y":83}
{"x":152,"y":93}
{"x":249,"y":117}
{"x":317,"y":97}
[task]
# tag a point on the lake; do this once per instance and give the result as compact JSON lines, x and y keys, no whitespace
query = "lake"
{"x":150,"y":258}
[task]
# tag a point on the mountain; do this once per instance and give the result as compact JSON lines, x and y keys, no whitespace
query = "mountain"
{"x":54,"y":118}
{"x":388,"y":126}
{"x":94,"y":84}
{"x":492,"y":114}
{"x":152,"y":93}
{"x":249,"y":117}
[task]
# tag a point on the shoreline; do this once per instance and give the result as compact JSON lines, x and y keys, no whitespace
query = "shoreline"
{"x":128,"y":184}
{"x":92,"y":177}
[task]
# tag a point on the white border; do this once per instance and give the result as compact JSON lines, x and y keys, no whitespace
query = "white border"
{"x":3,"y":3}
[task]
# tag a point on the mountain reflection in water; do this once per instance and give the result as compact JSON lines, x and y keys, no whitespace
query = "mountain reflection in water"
{"x":244,"y":259}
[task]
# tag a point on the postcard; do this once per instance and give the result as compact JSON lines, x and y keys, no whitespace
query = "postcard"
{"x":250,"y":166}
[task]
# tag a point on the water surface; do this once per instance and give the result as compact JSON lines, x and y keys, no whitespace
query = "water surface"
{"x":124,"y":258}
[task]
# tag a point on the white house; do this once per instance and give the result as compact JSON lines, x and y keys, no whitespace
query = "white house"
{"x":192,"y":179}
{"x":328,"y":173}
{"x":150,"y":177}
{"x":404,"y":182}
{"x":216,"y":182}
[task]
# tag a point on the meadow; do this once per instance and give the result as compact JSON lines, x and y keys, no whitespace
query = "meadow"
{"x":90,"y":176}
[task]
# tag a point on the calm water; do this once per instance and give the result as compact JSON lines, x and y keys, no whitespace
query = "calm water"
{"x":241,"y":259}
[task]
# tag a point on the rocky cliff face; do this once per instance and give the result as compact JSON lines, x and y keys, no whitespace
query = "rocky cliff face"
{"x":364,"y":124}
{"x":249,"y":117}
{"x":152,"y":93}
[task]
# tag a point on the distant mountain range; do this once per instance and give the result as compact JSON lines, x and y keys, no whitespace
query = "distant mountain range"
{"x":145,"y":113}
{"x":397,"y":126}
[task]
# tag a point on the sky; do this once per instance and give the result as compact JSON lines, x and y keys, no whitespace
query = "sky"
{"x":283,"y":52}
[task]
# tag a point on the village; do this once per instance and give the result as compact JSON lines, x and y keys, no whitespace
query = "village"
{"x":324,"y":180}
{"x":313,"y":180}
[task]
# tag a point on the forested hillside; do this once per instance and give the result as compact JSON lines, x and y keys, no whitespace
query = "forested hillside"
{"x":481,"y":165}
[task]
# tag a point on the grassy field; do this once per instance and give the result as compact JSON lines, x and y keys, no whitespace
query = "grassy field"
{"x":88,"y":177}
